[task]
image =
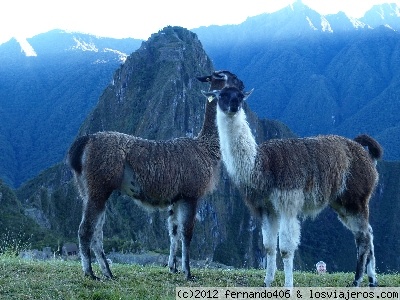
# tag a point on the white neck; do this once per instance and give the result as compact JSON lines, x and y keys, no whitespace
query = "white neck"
{"x":238,"y":146}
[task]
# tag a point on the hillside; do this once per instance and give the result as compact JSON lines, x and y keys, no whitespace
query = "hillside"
{"x":18,"y":230}
{"x":45,"y":94}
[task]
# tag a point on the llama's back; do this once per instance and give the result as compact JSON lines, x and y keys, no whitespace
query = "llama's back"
{"x":306,"y":163}
{"x":160,"y":170}
{"x":315,"y":170}
{"x":174,"y":168}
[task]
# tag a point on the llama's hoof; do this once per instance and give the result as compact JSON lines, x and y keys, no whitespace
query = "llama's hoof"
{"x":355,"y":284}
{"x":373,"y":284}
{"x":173,"y":270}
{"x":190,"y":278}
{"x":92,"y":276}
{"x":109,"y":277}
{"x":266,"y":285}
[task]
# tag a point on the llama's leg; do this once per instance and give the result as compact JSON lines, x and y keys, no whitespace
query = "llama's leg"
{"x":371,"y":263}
{"x":173,"y":237}
{"x":359,"y":225}
{"x":97,"y":246}
{"x":365,"y":257}
{"x":365,"y":248}
{"x":186,"y":210}
{"x":270,"y":223}
{"x":363,"y":243}
{"x":92,"y":212}
{"x":85,"y":234}
{"x":289,"y":238}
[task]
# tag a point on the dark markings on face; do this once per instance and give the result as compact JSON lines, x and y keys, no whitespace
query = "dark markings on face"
{"x":230,"y":100}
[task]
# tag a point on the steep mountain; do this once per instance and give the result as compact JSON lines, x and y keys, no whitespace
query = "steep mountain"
{"x":49,"y":84}
{"x":341,"y":22}
{"x":386,"y":14}
{"x":317,"y":74}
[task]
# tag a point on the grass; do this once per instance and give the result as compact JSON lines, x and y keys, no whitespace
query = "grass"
{"x":55,"y":279}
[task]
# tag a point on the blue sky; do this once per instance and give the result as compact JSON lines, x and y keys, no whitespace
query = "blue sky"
{"x":124,"y":18}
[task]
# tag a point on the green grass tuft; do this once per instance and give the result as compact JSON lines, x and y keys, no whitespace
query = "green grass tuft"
{"x":12,"y":243}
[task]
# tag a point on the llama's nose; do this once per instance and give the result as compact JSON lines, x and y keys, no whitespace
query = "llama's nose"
{"x":234,"y":106}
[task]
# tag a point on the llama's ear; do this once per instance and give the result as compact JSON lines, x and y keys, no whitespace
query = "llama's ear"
{"x":247,"y":94}
{"x":211,"y":95}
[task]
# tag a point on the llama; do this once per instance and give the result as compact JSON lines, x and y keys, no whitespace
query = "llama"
{"x":172,"y":174}
{"x":288,"y":178}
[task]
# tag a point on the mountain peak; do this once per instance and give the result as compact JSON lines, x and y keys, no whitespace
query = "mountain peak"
{"x":26,"y":48}
{"x":159,"y":81}
{"x":297,"y":5}
{"x":387,"y":14}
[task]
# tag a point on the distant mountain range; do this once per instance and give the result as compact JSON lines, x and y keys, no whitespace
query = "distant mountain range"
{"x":318,"y":74}
{"x":296,"y":20}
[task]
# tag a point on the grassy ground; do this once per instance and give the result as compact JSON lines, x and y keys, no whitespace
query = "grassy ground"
{"x":54,"y":279}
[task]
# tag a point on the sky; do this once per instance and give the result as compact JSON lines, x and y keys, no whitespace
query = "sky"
{"x":126,"y":18}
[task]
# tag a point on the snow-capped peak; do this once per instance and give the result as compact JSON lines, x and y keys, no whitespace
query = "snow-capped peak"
{"x":82,"y":45}
{"x":311,"y":23}
{"x":388,"y":10}
{"x":26,"y":47}
{"x":122,"y":56}
{"x":326,"y":26}
{"x":357,"y":23}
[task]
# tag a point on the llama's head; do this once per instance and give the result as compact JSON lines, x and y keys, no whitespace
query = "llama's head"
{"x":221,"y":79}
{"x":230,"y":99}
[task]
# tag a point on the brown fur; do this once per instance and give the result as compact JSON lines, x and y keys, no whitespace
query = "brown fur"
{"x":171,"y":174}
{"x":165,"y":170}
{"x":286,"y":178}
{"x":324,"y":165}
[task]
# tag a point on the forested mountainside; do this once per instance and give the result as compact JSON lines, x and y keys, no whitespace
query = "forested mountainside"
{"x":161,"y":76}
{"x":20,"y":226}
{"x":49,"y":84}
{"x":318,"y":74}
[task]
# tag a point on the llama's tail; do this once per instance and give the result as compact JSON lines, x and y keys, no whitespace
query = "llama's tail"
{"x":375,"y":150}
{"x":75,"y":153}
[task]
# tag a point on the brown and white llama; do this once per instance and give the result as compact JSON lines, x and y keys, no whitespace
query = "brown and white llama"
{"x":283,"y":179}
{"x":172,"y":174}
